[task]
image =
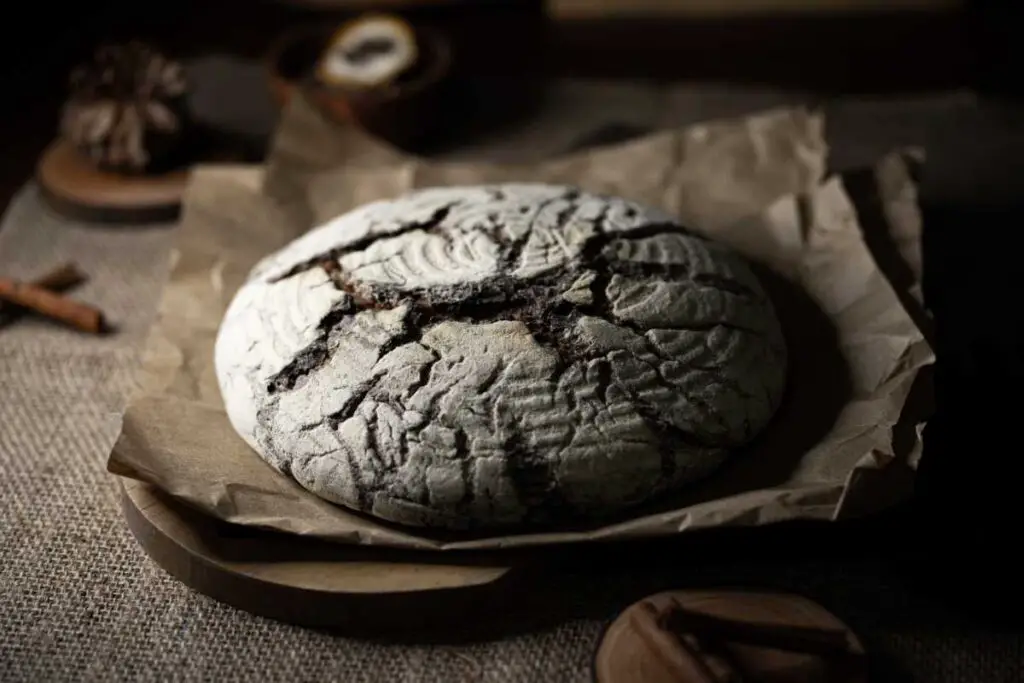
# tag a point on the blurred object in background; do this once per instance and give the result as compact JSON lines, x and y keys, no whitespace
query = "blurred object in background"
{"x":370,"y":52}
{"x":401,"y":108}
{"x":504,"y":49}
{"x":125,"y":138}
{"x":498,"y":54}
{"x":829,"y":46}
{"x":126,"y":111}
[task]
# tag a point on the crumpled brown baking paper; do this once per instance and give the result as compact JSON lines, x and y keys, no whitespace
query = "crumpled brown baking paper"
{"x":843,"y":444}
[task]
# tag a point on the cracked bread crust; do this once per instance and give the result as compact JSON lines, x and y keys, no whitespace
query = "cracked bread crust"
{"x":489,"y":356}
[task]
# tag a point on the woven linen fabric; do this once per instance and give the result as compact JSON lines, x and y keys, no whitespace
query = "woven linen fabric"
{"x":80,"y":601}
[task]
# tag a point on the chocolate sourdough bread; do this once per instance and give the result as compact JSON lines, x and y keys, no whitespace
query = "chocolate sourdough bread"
{"x":499,"y":355}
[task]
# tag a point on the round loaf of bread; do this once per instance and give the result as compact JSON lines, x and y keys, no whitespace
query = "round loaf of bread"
{"x":480,"y":357}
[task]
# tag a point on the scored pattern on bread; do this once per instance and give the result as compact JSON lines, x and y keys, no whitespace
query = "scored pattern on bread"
{"x":499,"y":355}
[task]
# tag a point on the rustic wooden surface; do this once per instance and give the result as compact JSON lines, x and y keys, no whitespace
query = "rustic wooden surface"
{"x":359,"y":590}
{"x":630,"y":653}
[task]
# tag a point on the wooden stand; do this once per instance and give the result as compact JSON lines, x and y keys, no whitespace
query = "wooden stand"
{"x":368,"y":592}
{"x":762,"y":636}
{"x":75,"y":188}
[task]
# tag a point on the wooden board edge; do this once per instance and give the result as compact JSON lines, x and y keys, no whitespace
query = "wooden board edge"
{"x":169,"y":213}
{"x":445,"y":614}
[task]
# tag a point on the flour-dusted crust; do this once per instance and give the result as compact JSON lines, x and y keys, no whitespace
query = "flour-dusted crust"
{"x":495,"y":355}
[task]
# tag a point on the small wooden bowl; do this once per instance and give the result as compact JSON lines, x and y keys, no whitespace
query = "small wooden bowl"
{"x":400,"y":114}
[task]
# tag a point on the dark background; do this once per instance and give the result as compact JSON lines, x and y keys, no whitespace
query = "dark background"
{"x":507,"y":39}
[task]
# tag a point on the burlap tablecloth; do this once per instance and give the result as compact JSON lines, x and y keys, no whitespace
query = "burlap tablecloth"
{"x":79,"y":601}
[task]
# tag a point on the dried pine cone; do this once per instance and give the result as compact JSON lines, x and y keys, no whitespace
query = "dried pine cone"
{"x":127,"y":110}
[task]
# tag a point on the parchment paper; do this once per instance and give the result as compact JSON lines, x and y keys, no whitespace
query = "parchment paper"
{"x":843,"y":444}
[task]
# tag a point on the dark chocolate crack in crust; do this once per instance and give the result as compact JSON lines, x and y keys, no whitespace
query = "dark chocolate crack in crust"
{"x":491,"y":356}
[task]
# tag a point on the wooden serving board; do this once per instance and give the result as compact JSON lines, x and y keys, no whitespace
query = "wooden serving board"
{"x":369,"y":592}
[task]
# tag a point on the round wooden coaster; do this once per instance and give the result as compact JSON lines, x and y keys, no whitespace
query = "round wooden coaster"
{"x":75,"y":188}
{"x":724,"y":636}
{"x":369,"y":592}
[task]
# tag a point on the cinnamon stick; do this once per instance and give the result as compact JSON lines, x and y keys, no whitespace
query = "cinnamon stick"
{"x":60,"y":279}
{"x":52,"y":305}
